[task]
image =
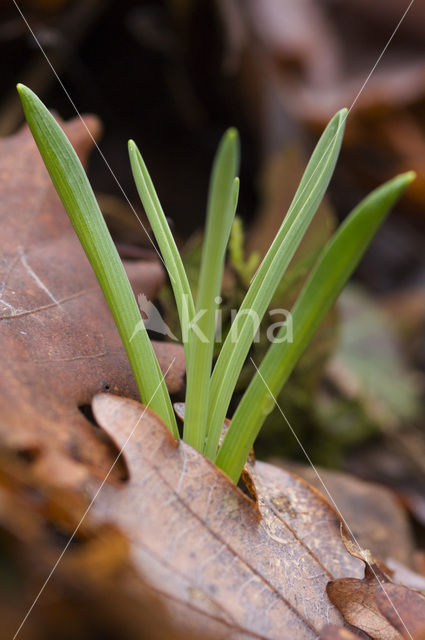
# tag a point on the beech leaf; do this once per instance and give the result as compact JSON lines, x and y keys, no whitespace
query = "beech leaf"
{"x":377,"y":606}
{"x":227,"y":565}
{"x":408,"y":603}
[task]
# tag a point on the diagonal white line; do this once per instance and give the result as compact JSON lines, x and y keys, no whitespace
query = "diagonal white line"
{"x":110,"y":169}
{"x":89,"y":132}
{"x":382,"y":53}
{"x":390,"y":39}
{"x":371,"y":72}
{"x":337,"y":509}
{"x":36,"y":279}
{"x":64,"y":550}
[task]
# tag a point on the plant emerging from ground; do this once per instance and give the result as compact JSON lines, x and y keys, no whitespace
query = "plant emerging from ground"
{"x":210,"y":388}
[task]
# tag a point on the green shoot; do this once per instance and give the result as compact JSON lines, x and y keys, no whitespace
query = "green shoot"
{"x":209,"y":394}
{"x":304,"y":205}
{"x":337,"y":262}
{"x":222,"y":202}
{"x":164,"y":238}
{"x":74,"y":190}
{"x":245,"y":269}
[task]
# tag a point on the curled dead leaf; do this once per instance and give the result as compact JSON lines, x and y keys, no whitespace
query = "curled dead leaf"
{"x":225,"y":564}
{"x":404,"y":608}
{"x":357,"y":603}
{"x":377,"y":606}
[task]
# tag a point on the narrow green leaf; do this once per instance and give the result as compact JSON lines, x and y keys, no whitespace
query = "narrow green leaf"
{"x":235,"y":349}
{"x":74,"y":190}
{"x":337,"y":262}
{"x":164,"y":238}
{"x":222,"y":202}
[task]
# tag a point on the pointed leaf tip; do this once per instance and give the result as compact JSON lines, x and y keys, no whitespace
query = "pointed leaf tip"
{"x":409,"y":176}
{"x":24,"y":91}
{"x":232,"y":133}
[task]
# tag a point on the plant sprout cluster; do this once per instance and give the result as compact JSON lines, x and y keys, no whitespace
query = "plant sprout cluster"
{"x":210,"y":386}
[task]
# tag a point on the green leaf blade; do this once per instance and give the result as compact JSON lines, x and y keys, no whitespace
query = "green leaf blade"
{"x":170,"y":253}
{"x":235,"y":349}
{"x":73,"y":188}
{"x":222,"y":202}
{"x":337,"y":262}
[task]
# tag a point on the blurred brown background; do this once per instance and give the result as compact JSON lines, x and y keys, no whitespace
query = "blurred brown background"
{"x":174,"y":74}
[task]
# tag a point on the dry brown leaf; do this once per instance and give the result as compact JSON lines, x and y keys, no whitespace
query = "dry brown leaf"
{"x":58,"y":340}
{"x":95,"y":592}
{"x":373,"y":512}
{"x":356,"y":599}
{"x":332,"y":632}
{"x":404,"y":608}
{"x":377,"y":606}
{"x":226,"y":565}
